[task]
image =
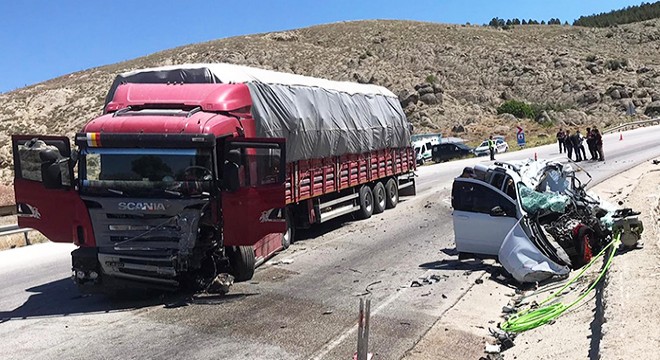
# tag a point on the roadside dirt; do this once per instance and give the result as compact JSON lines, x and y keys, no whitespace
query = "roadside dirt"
{"x":631,"y":329}
{"x":605,"y":326}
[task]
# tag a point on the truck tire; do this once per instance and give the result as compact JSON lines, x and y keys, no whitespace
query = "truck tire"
{"x":380,"y":197}
{"x":392,"y":191}
{"x":366,"y":202}
{"x":242,"y":261}
{"x":288,"y":237}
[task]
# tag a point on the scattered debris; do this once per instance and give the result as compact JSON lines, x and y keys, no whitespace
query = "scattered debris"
{"x":438,"y":277}
{"x":373,"y":283}
{"x":327,"y":312}
{"x":415,"y":283}
{"x":508,"y":309}
{"x":656,"y":162}
{"x":426,"y":294}
{"x":444,"y":296}
{"x":283,"y":262}
{"x":492,"y":349}
{"x":478,"y":281}
{"x":221,"y":284}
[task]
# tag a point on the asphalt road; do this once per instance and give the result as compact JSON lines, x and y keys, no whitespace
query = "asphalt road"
{"x":304,"y":309}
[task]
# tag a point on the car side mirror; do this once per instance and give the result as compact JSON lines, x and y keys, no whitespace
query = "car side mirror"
{"x":497,"y":211}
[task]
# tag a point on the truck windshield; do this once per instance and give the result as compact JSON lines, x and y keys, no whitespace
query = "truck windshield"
{"x":146,"y":172}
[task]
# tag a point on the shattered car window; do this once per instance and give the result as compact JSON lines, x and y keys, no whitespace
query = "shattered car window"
{"x":473,"y":197}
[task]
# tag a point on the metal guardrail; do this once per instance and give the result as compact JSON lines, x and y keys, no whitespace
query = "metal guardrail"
{"x":634,"y":123}
{"x":12,"y":229}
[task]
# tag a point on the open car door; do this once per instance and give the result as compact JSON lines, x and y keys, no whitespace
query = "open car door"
{"x":483,"y":215}
{"x":253,"y":203}
{"x":46,"y":199}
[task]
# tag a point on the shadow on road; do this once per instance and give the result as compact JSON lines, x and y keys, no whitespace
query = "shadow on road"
{"x":331,"y":225}
{"x":62,"y":298}
{"x":496,"y":272}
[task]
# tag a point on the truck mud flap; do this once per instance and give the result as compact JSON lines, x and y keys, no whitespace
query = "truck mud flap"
{"x":407,"y":186}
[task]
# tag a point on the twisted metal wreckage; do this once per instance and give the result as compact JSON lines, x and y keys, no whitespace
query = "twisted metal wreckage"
{"x":536,"y":217}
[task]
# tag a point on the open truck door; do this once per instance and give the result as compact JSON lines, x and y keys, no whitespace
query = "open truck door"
{"x":253,"y":176}
{"x":46,"y":199}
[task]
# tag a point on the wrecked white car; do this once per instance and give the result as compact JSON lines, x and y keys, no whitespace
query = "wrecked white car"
{"x":535,"y":217}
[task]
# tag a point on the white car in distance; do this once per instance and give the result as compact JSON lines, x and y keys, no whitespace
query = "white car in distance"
{"x":500,"y":147}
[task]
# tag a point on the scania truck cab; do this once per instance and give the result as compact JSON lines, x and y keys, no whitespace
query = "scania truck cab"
{"x":154,"y":209}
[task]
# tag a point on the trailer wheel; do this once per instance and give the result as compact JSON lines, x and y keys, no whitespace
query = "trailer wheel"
{"x":392,"y":191}
{"x":380,"y":198}
{"x":366,"y":202}
{"x":288,"y":237}
{"x":242,"y":261}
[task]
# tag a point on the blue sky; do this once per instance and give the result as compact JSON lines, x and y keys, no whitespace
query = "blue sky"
{"x":44,"y":39}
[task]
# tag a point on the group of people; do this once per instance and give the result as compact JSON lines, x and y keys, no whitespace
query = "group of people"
{"x":574,"y":143}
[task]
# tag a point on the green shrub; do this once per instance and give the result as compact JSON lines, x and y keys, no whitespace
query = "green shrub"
{"x":516,"y":108}
{"x":431,"y":79}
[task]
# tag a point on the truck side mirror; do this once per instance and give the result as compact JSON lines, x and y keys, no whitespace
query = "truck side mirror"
{"x":231,"y":176}
{"x":51,"y":175}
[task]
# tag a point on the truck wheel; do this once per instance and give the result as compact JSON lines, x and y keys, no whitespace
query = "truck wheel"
{"x":392,"y":191}
{"x":380,"y":197}
{"x":366,"y":202}
{"x":242,"y":261}
{"x":289,"y":236}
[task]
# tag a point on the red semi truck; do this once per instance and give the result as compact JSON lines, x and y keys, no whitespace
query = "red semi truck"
{"x":201,"y":169}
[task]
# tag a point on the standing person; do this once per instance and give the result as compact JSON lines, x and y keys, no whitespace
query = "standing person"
{"x":568,"y":144}
{"x":580,"y":146}
{"x":561,"y":139}
{"x":590,"y":144}
{"x":491,"y":147}
{"x":599,"y":145}
{"x":574,"y":142}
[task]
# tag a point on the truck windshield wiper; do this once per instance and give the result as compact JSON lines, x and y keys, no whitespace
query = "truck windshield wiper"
{"x":118,"y":192}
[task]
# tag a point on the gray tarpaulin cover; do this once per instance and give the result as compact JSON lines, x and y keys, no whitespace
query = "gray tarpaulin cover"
{"x":524,"y":261}
{"x":317,"y":117}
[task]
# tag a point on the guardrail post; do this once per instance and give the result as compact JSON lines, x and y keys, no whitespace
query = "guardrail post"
{"x":27,"y":238}
{"x":363,"y":330}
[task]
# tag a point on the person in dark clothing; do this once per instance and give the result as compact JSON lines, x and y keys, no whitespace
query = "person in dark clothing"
{"x":491,"y":147}
{"x":576,"y":141}
{"x":590,"y":144}
{"x":580,"y":146}
{"x":561,"y":139}
{"x":568,"y":144}
{"x":573,"y":145}
{"x":598,"y":139}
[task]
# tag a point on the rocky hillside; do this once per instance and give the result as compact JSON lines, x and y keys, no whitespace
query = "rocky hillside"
{"x":450,"y":78}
